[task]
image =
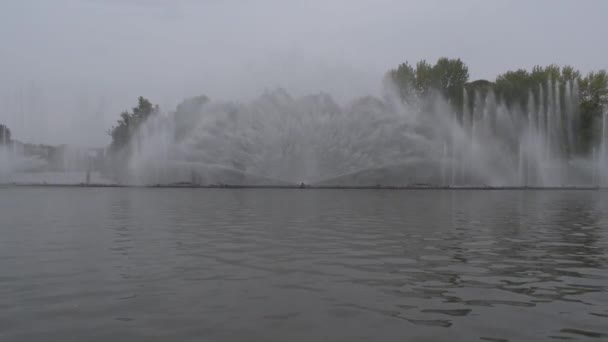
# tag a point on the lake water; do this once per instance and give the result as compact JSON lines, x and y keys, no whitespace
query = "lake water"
{"x":118,"y":264}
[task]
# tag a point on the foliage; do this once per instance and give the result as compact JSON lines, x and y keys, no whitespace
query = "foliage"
{"x":5,"y":135}
{"x":450,"y":76}
{"x":129,"y":122}
{"x":514,"y":86}
{"x":593,"y":100}
{"x":447,"y":76}
{"x":405,"y":80}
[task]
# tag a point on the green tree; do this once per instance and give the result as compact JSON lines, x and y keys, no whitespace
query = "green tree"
{"x":570,"y":74}
{"x":5,"y":135}
{"x":593,"y":100}
{"x":424,"y":78}
{"x":450,"y":76}
{"x":513,"y":88}
{"x":404,"y":78}
{"x":446,"y":76}
{"x":129,"y":122}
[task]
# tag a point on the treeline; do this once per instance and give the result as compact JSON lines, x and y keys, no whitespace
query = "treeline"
{"x":449,"y":78}
{"x":515,"y":89}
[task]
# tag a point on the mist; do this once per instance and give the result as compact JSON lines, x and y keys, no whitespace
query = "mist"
{"x":69,"y":67}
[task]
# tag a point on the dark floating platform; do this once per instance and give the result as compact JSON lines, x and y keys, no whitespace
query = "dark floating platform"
{"x":303,"y":187}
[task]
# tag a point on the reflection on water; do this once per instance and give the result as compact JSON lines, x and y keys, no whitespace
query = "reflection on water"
{"x":302,"y":265}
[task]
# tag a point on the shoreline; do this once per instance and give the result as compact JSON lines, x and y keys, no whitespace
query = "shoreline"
{"x":299,"y":187}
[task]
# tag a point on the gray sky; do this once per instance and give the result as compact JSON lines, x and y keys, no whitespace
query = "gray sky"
{"x":68,"y":67}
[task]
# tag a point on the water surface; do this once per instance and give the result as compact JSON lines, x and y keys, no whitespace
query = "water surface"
{"x":80,"y":264}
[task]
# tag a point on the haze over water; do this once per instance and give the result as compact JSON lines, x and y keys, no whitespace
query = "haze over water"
{"x":302,"y":265}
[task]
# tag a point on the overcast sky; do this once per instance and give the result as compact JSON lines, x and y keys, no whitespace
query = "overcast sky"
{"x":68,"y":67}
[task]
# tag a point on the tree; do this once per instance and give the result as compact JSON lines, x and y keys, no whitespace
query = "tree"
{"x":593,"y":100}
{"x":514,"y":89}
{"x":513,"y":86}
{"x":594,"y":87}
{"x":450,"y":76}
{"x":5,"y":135}
{"x":424,"y":78}
{"x":447,"y":76}
{"x":404,"y":78}
{"x":129,"y":122}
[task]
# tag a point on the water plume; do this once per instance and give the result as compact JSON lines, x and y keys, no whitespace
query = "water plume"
{"x":278,"y":139}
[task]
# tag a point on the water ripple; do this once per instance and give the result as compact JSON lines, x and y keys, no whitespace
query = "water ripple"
{"x":268,"y":265}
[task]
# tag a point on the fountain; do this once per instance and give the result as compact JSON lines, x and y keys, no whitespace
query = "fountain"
{"x":280,"y":140}
{"x":14,"y":163}
{"x":42,"y":164}
{"x":602,"y":159}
